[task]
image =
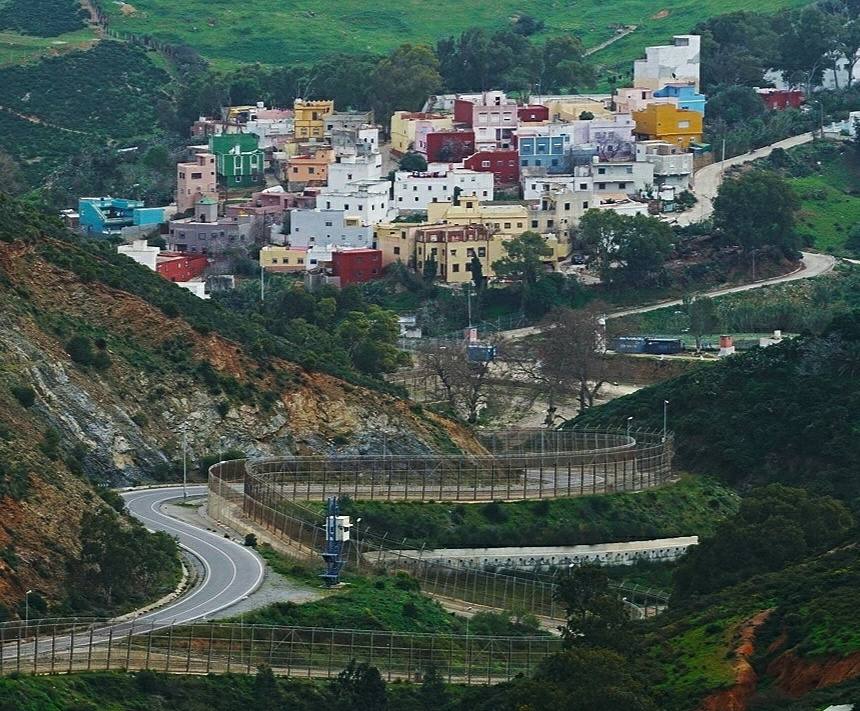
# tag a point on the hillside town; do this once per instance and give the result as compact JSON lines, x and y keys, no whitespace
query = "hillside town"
{"x":335,"y":195}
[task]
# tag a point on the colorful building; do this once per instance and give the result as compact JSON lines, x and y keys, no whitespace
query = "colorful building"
{"x":503,"y":164}
{"x":179,"y":267}
{"x":665,"y":64}
{"x":396,"y":241}
{"x":108,"y":215}
{"x":306,"y":169}
{"x":449,"y":146}
{"x":239,"y":160}
{"x":544,"y":153}
{"x":409,"y":130}
{"x":779,"y":99}
{"x":664,"y":122}
{"x":492,"y":116}
{"x":355,"y":266}
{"x":685,"y":95}
{"x":452,"y":247}
{"x":309,"y":117}
{"x":533,"y":113}
{"x":284,"y":259}
{"x":195,"y":180}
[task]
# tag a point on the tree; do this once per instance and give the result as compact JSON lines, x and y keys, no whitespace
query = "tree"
{"x":596,"y":616}
{"x":586,"y":116}
{"x":565,"y":66}
{"x":432,"y":692}
{"x":370,"y":338}
{"x":359,"y":686}
{"x":403,"y":80}
{"x":757,"y":209}
{"x":848,"y":41}
{"x":431,"y":267}
{"x":11,"y":180}
{"x":734,"y":105}
{"x":267,"y":695}
{"x":527,"y":25}
{"x":567,"y":355}
{"x":465,"y":382}
{"x":702,"y":313}
{"x":477,"y":270}
{"x":524,"y":258}
{"x":413,"y":162}
{"x":806,"y":46}
{"x":630,"y":251}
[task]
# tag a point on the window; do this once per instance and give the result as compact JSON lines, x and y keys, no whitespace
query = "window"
{"x":275,"y":260}
{"x":601,"y":171}
{"x":311,"y":170}
{"x":415,"y":188}
{"x":534,"y":224}
{"x":507,"y":225}
{"x":519,"y":224}
{"x":301,"y":260}
{"x":453,"y":252}
{"x":622,"y":185}
{"x":567,"y":206}
{"x":182,"y":176}
{"x":295,"y":169}
{"x":485,"y":164}
{"x":601,"y":186}
{"x":585,"y":205}
{"x":683,"y":124}
{"x":583,"y":186}
{"x":397,"y":250}
{"x":482,"y":251}
{"x":328,"y":223}
{"x":550,"y":223}
{"x":554,"y":161}
{"x":455,"y":267}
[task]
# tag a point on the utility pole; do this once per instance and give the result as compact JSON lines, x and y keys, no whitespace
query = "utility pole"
{"x":469,"y":301}
{"x":184,"y":464}
{"x":665,"y":418}
{"x":629,"y":421}
{"x":723,"y":161}
{"x":27,"y":607}
{"x":262,"y":283}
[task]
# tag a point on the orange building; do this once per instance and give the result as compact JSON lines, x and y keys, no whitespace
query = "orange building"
{"x":665,"y":122}
{"x":308,"y":169}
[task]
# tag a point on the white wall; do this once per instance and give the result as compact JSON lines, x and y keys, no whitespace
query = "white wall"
{"x":369,"y":201}
{"x":320,"y":226}
{"x":663,"y":64}
{"x":140,"y":252}
{"x":413,"y":192}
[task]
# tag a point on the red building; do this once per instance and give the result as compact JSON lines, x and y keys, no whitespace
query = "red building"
{"x":449,"y":146}
{"x":533,"y":114}
{"x":779,"y":99}
{"x":354,"y":266}
{"x":178,"y":266}
{"x":503,"y":164}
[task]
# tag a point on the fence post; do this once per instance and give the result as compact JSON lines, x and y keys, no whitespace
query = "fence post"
{"x":110,"y":644}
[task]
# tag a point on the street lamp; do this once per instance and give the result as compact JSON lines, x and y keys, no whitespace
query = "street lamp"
{"x":629,"y":420}
{"x":357,"y":546}
{"x":27,"y":607}
{"x":184,"y":463}
{"x":665,"y":418}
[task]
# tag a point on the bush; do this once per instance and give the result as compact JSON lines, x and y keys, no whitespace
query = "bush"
{"x":24,"y":394}
{"x":80,"y":350}
{"x":250,"y":540}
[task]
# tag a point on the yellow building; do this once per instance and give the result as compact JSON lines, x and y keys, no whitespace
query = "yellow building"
{"x":453,"y":247}
{"x":283,"y":259}
{"x":396,"y":241}
{"x":309,"y":117}
{"x":571,"y":108}
{"x":664,"y":122}
{"x":409,"y":130}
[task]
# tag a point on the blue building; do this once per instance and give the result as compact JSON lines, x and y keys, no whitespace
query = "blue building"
{"x":108,"y":216}
{"x":547,"y":152}
{"x":686,"y":94}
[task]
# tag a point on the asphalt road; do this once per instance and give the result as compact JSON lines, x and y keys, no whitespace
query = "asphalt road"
{"x":231,"y":573}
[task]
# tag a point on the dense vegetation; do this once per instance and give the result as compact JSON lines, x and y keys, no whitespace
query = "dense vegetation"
{"x":693,"y":506}
{"x":807,"y":305}
{"x":801,"y":396}
{"x":46,"y":18}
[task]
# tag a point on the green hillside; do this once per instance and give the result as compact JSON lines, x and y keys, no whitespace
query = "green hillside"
{"x":255,"y":31}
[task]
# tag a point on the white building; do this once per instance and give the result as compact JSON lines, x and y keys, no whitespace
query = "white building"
{"x":368,"y":200}
{"x":328,"y":227}
{"x":141,"y":253}
{"x":627,"y":178}
{"x":664,"y":64}
{"x":415,"y":191}
{"x":673,"y":167}
{"x":349,"y":169}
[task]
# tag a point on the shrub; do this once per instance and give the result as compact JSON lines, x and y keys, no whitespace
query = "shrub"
{"x":80,"y":350}
{"x":24,"y":394}
{"x":250,"y":540}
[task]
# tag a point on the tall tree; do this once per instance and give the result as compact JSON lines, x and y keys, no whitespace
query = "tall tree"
{"x":757,"y":209}
{"x":524,"y":258}
{"x":702,"y":312}
{"x":565,"y":66}
{"x":403,"y":80}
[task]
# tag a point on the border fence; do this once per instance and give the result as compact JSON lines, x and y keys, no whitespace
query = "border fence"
{"x":275,"y":495}
{"x":67,"y":646}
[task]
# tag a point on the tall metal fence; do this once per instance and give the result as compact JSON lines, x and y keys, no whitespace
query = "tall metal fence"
{"x":273,"y":494}
{"x":66,"y":646}
{"x":518,"y":465}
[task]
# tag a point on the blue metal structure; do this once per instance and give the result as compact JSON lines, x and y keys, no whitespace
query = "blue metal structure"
{"x":336,"y":534}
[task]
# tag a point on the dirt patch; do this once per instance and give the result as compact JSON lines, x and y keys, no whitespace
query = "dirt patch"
{"x":797,"y":676}
{"x":662,"y":15}
{"x":127,"y":9}
{"x":736,"y":697}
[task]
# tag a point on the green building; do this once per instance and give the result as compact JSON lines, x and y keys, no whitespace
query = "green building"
{"x":238,"y":159}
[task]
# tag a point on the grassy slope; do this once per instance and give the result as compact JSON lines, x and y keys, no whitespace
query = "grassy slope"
{"x":16,"y":48}
{"x":814,"y":605}
{"x":830,"y":205}
{"x":256,"y":31}
{"x":690,"y":507}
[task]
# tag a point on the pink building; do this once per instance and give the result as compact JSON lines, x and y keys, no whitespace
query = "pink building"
{"x":195,"y":180}
{"x":492,"y":116}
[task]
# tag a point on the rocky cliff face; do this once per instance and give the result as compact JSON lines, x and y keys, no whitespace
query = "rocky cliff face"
{"x":121,"y":422}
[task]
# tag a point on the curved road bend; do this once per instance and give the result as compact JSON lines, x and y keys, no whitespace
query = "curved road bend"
{"x":232,"y":572}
